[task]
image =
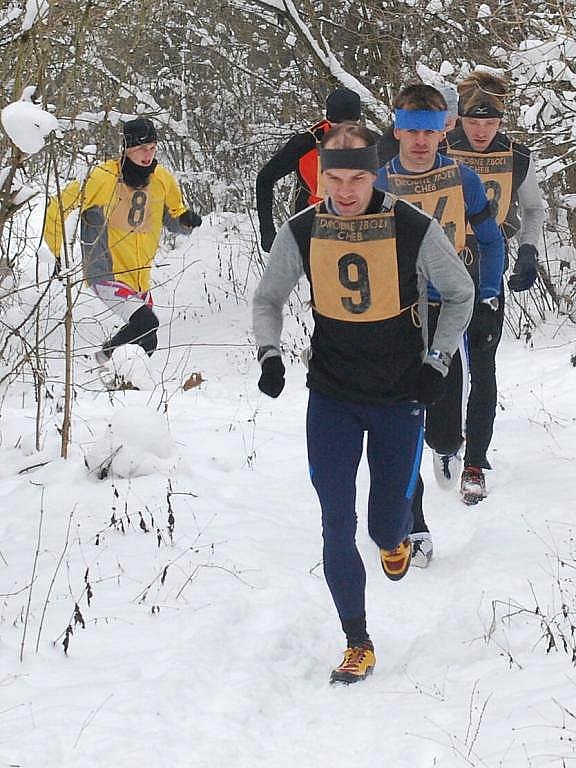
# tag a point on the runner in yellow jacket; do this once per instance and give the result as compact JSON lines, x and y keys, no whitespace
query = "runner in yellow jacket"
{"x":123,"y":206}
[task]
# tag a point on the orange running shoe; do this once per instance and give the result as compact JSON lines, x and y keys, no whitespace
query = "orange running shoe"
{"x":396,"y":562}
{"x":357,"y":664}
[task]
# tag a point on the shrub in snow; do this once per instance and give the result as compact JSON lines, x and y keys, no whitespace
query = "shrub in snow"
{"x":129,"y":368}
{"x":136,"y":442}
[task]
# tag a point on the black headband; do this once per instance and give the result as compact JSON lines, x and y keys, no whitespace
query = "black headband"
{"x":482,"y":110}
{"x":359,"y":159}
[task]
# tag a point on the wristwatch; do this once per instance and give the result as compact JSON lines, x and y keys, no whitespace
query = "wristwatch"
{"x":493,"y":302}
{"x":442,"y":357}
{"x":264,"y":352}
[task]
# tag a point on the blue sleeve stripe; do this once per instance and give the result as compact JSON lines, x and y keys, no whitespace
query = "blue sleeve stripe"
{"x":381,"y":182}
{"x":473,"y":189}
{"x":416,"y":465}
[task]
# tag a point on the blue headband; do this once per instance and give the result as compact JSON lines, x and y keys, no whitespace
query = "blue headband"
{"x":420,"y":119}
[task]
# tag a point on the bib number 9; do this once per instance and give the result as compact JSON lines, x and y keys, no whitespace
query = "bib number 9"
{"x":493,"y":193}
{"x":353,"y":275}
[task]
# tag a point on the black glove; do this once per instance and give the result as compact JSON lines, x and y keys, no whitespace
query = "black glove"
{"x":190,"y":219}
{"x":483,"y":328}
{"x":430,"y":386}
{"x":525,"y":270}
{"x":271,"y":381}
{"x":267,"y":238}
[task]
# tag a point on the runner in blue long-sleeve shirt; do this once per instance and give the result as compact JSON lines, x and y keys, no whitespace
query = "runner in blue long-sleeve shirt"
{"x":453,"y":194}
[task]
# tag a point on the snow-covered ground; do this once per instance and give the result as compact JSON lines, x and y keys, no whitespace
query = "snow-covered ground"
{"x":205,"y":638}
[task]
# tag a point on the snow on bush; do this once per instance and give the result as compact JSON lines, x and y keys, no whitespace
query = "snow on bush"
{"x":26,"y":123}
{"x":135,"y":442}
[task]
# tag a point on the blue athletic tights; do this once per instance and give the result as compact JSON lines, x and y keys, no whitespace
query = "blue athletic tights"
{"x":335,"y":433}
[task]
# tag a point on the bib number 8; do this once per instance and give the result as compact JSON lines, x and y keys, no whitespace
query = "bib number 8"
{"x":137,"y":208}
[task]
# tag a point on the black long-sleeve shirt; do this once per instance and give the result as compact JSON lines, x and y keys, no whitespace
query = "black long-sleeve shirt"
{"x":285,"y":161}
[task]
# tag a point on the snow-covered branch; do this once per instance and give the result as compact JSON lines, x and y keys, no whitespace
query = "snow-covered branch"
{"x":320,"y":49}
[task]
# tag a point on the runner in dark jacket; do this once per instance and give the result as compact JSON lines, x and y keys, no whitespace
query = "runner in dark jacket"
{"x":300,"y":155}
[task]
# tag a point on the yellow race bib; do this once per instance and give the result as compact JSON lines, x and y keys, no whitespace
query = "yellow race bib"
{"x":354,"y":267}
{"x":131,"y":210}
{"x":495,"y":170}
{"x":439,"y":193}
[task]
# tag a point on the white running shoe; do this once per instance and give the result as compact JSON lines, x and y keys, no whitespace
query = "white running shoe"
{"x":447,"y":469}
{"x":422,"y":549}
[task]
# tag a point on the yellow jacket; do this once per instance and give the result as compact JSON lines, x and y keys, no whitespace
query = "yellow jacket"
{"x":120,"y":226}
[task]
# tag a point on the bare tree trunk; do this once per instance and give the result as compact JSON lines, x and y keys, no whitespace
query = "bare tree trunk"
{"x":68,"y":327}
{"x":39,"y":378}
{"x":69,"y":348}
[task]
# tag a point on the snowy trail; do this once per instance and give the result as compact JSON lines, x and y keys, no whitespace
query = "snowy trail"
{"x":238,"y":670}
{"x":233,"y":669}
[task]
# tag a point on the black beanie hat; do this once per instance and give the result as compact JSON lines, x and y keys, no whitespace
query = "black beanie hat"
{"x":139,"y":131}
{"x":342,"y":104}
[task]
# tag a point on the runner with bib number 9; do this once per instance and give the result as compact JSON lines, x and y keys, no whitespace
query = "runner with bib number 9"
{"x":368,"y":258}
{"x":508,"y":172}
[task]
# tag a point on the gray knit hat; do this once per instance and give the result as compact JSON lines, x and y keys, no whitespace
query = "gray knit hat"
{"x":451,"y":98}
